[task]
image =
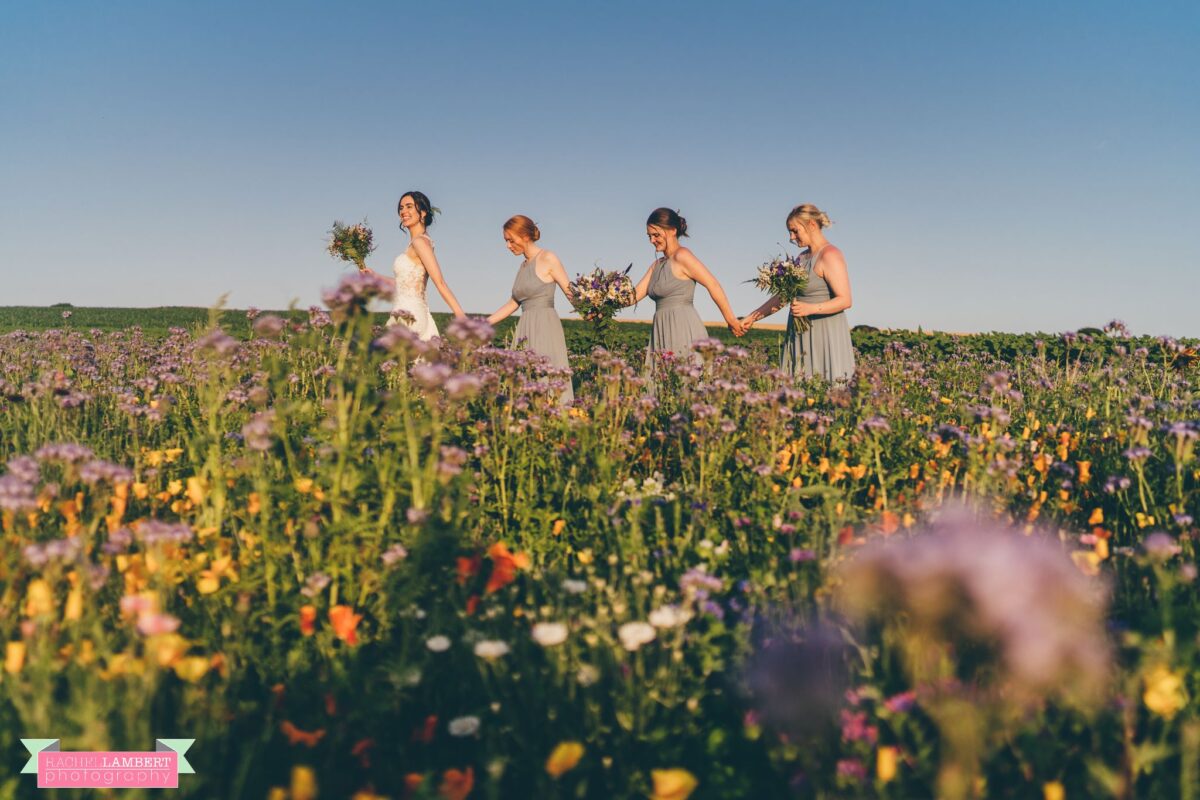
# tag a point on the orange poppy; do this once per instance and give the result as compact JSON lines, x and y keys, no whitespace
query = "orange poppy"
{"x":504,"y":566}
{"x":308,"y":620}
{"x":296,"y":736}
{"x":362,"y":751}
{"x":426,"y":732}
{"x":344,"y":622}
{"x":457,"y":784}
{"x":468,"y":567}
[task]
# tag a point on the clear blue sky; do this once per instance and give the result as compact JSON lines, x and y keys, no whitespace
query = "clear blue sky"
{"x":1008,"y":166}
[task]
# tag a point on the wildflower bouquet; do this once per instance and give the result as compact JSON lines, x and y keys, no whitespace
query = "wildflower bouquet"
{"x":351,"y":243}
{"x":784,"y":277}
{"x":599,"y":295}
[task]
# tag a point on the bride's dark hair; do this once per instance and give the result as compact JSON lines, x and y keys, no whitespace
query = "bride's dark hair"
{"x":423,"y":205}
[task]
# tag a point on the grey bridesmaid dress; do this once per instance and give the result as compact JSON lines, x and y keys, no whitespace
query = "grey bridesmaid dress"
{"x":825,"y":349}
{"x":539,"y":326}
{"x":677,"y":325}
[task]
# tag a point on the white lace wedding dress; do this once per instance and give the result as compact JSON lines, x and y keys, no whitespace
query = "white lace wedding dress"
{"x":409,"y":307}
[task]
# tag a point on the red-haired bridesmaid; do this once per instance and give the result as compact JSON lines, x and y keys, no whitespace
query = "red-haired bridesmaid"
{"x":539,"y":328}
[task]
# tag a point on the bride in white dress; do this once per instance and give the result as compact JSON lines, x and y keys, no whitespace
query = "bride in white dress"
{"x":415,"y":267}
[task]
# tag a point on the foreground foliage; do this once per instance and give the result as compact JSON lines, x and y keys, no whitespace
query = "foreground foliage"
{"x":339,"y":558}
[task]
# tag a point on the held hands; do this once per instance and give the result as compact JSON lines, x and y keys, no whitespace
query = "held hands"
{"x":737,"y":327}
{"x":746,"y":323}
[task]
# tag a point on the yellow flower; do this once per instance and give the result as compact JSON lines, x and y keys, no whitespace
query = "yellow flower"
{"x":559,"y":525}
{"x":303,"y":485}
{"x":14,"y":657}
{"x":74,"y":608}
{"x":1164,"y":693}
{"x":885,"y":763}
{"x":166,"y":649}
{"x":1085,"y":471}
{"x":1097,"y":517}
{"x":304,"y":783}
{"x":1053,"y":791}
{"x":195,"y":490}
{"x":174,"y":487}
{"x":277,"y":793}
{"x":192,"y":668}
{"x":564,"y":758}
{"x":39,"y":599}
{"x":584,"y":556}
{"x":672,"y":784}
{"x":209,"y":580}
{"x":123,"y":664}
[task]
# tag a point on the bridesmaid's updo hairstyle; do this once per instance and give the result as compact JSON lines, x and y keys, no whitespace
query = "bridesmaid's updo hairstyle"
{"x":666,"y":218}
{"x":524,"y":227}
{"x":808,"y":211}
{"x":423,"y":205}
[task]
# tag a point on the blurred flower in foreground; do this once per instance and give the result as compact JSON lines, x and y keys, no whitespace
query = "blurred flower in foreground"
{"x":457,"y":784}
{"x":672,"y":784}
{"x":563,"y":758}
{"x":989,"y":623}
{"x":1008,"y":611}
{"x":797,"y":677}
{"x":1164,"y":693}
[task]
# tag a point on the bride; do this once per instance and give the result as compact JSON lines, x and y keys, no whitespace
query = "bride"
{"x":415,"y":267}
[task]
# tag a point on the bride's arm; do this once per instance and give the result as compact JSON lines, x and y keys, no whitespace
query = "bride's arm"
{"x":429,"y":261}
{"x":367,"y":270}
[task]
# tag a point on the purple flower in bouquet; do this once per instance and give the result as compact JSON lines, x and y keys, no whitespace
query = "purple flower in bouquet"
{"x":784,"y":277}
{"x":598,"y":296}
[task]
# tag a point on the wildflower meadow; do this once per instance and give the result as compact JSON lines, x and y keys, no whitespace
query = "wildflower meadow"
{"x":349,"y":563}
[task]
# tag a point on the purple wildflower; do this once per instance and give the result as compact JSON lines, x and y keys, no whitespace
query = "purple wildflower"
{"x":315,"y":584}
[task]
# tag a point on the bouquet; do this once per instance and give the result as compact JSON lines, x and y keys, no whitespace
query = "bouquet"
{"x":785,"y":277}
{"x":351,"y":243}
{"x":598,"y":296}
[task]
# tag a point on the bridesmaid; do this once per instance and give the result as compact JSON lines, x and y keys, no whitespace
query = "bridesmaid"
{"x":533,"y":293}
{"x":824,"y":349}
{"x":671,"y":283}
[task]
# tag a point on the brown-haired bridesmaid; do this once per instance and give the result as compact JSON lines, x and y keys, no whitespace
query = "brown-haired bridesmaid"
{"x":671,"y":283}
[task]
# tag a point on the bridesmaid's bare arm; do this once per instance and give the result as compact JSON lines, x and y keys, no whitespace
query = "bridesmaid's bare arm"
{"x":694,"y":268}
{"x":429,"y":261}
{"x":557,"y":273}
{"x":643,"y":286}
{"x":768,"y":308}
{"x":833,"y":268}
{"x":505,"y":311}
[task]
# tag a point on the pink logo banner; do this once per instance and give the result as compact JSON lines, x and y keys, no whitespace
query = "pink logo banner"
{"x":108,"y":770}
